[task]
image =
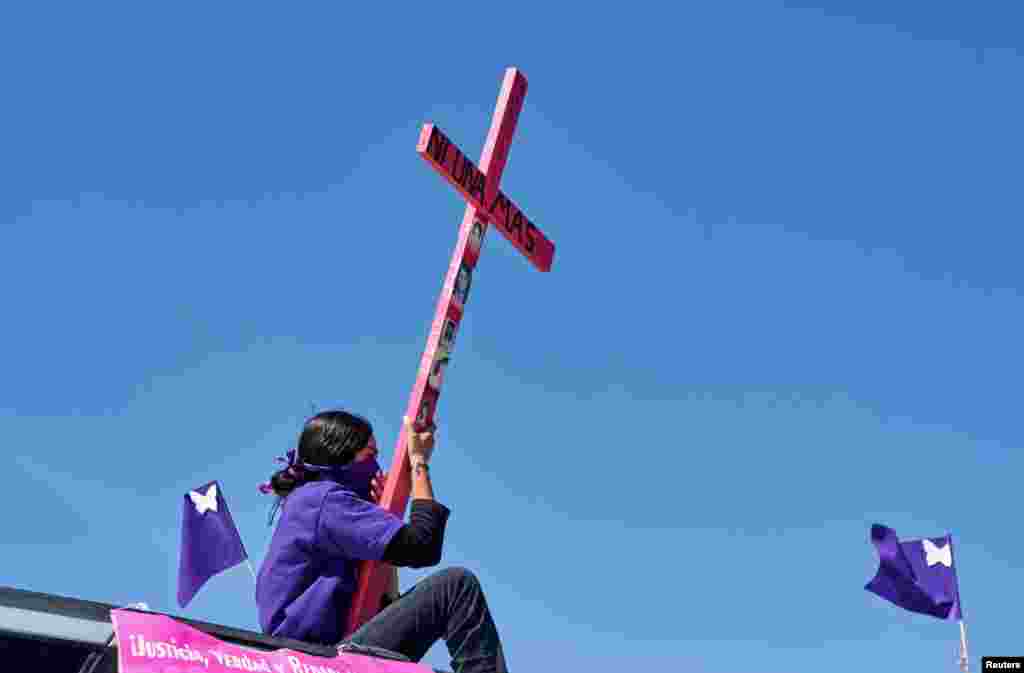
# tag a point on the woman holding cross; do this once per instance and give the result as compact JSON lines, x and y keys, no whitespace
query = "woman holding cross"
{"x":330,"y":521}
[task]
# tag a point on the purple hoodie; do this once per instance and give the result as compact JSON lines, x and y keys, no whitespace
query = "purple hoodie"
{"x":307,"y":579}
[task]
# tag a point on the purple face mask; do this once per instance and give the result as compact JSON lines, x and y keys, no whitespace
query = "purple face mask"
{"x":357,"y":476}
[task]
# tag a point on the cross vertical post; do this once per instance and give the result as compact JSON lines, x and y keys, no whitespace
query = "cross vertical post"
{"x":486,"y":205}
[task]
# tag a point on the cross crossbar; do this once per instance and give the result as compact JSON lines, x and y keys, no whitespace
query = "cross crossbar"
{"x":456,"y":167}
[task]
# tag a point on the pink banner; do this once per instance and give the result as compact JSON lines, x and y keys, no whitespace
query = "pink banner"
{"x":150,"y":643}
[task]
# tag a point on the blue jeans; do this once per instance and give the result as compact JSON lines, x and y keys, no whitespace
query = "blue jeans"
{"x":448,"y":604}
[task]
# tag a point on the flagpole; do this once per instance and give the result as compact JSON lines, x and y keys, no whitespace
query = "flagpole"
{"x":964,"y":660}
{"x":963,"y":648}
{"x":253,"y":573}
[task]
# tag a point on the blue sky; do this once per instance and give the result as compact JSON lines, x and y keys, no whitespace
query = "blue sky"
{"x":786,"y":304}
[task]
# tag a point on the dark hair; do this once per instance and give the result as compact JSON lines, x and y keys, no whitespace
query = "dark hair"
{"x":329,"y":438}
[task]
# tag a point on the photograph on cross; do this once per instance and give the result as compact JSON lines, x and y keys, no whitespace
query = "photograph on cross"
{"x":426,"y":409}
{"x":447,"y":338}
{"x":476,"y":237}
{"x":436,"y":377}
{"x":463,"y":282}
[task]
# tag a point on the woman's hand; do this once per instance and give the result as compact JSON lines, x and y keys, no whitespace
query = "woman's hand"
{"x":377,"y":486}
{"x":420,"y":444}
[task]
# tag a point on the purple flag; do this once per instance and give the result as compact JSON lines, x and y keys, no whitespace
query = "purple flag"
{"x":917,"y":575}
{"x":210,"y":542}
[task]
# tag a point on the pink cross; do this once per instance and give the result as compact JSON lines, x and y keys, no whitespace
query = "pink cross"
{"x":486,"y":205}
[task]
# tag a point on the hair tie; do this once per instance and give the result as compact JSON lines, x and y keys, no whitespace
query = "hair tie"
{"x":294,"y":469}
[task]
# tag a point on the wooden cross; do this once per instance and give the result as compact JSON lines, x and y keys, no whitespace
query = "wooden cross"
{"x":486,"y":205}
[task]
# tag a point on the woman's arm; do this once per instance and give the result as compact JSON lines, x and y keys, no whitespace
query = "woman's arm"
{"x":418,"y":544}
{"x":422,"y":488}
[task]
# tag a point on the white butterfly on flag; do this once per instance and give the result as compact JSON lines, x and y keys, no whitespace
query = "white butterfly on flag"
{"x":935,"y":555}
{"x":205,"y":503}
